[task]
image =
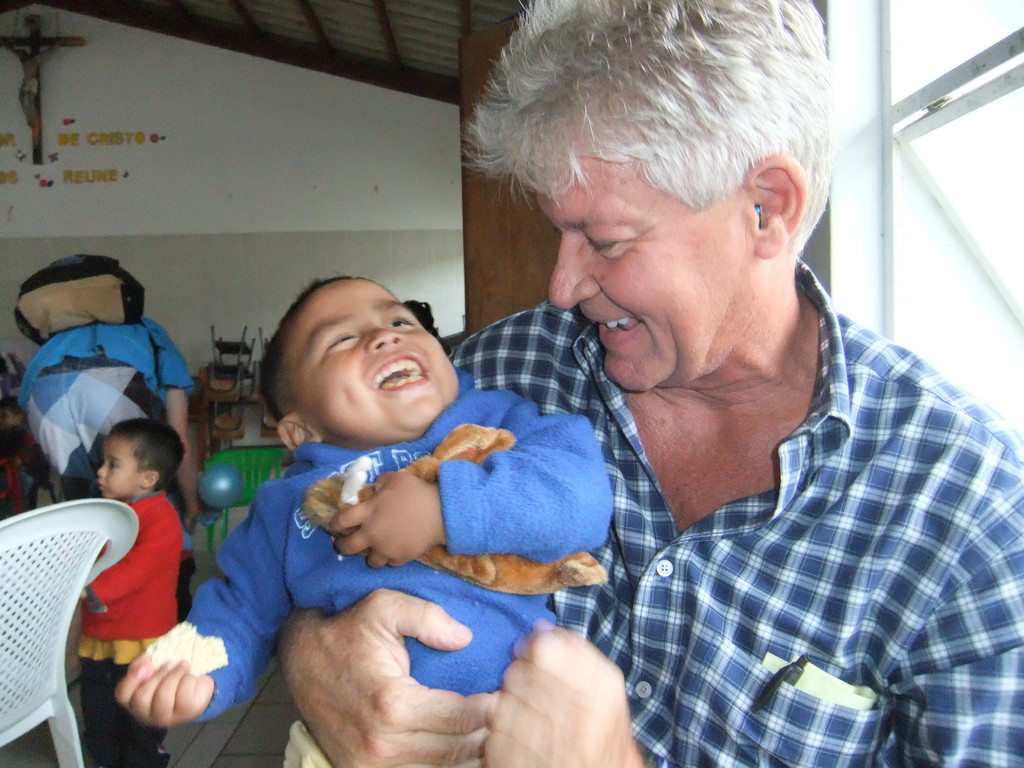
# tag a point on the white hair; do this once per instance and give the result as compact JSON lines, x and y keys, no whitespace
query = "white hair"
{"x":692,"y":92}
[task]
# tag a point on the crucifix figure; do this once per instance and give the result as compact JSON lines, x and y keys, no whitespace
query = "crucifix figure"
{"x":30,"y":51}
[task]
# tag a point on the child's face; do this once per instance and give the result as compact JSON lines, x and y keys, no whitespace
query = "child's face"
{"x":12,"y":418}
{"x":120,"y":477}
{"x":364,"y":372}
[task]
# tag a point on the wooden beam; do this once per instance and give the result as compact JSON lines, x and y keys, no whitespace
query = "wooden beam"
{"x":246,"y":18}
{"x":466,"y":17}
{"x":267,"y":46}
{"x":314,"y":24}
{"x":13,"y":5}
{"x":389,"y":36}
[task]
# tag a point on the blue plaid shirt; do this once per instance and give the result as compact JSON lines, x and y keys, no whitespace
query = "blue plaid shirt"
{"x":892,"y":555}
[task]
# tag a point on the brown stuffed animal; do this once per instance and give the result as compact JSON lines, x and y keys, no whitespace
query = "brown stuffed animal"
{"x":500,"y":572}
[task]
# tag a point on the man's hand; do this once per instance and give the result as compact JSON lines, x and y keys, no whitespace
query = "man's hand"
{"x":563,"y":703}
{"x":349,"y":676}
{"x":163,"y":696}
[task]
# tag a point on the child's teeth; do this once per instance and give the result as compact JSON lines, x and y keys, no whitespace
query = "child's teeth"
{"x":614,"y":324}
{"x":397,"y":374}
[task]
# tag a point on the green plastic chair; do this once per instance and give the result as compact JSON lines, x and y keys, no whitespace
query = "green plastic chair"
{"x":256,"y":463}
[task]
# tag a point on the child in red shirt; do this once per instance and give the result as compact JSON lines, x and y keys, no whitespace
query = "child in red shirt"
{"x":133,"y":602}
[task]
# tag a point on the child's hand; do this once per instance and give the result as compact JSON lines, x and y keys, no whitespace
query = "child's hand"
{"x":163,"y":696}
{"x":400,"y":523}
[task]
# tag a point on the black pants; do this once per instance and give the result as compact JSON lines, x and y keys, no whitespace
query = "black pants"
{"x":184,"y":594}
{"x":113,"y":738}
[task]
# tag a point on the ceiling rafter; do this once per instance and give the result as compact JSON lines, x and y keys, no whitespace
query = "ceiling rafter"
{"x":314,"y":24}
{"x":180,"y":7}
{"x":247,"y":20}
{"x":389,"y":36}
{"x":175,"y":19}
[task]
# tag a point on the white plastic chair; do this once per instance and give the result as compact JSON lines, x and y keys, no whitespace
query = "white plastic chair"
{"x":47,"y":556}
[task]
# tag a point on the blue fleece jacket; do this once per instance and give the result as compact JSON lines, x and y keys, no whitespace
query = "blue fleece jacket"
{"x":546,"y":498}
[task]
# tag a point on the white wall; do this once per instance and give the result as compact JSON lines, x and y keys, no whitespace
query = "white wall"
{"x":263,"y":176}
{"x":229,"y":282}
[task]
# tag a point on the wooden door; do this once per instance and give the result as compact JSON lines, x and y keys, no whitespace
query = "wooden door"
{"x":509,"y":246}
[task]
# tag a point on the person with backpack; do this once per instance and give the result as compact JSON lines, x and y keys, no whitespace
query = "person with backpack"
{"x":101,"y":362}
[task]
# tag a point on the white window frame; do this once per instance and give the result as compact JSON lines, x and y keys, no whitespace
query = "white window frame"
{"x":958,"y":92}
{"x":870,"y":131}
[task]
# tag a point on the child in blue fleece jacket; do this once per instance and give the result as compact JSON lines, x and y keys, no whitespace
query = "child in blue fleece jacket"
{"x":350,"y":372}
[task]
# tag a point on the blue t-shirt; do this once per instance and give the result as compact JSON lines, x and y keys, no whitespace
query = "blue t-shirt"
{"x":144,"y":346}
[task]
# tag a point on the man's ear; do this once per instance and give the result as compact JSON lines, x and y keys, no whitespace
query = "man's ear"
{"x":293,"y":431}
{"x":777,"y":189}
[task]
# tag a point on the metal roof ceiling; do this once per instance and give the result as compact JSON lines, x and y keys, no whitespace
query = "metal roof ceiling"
{"x":405,"y":45}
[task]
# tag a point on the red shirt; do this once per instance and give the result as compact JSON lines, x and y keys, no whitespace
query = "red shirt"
{"x":139,"y":590}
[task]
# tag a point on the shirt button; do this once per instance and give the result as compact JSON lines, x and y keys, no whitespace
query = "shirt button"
{"x":643,"y":689}
{"x":664,"y":568}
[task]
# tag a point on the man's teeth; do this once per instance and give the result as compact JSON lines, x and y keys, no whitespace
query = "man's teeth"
{"x":614,"y":324}
{"x":398,"y":374}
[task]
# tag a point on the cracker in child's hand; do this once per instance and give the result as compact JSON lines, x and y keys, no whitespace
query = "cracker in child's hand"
{"x":184,"y":643}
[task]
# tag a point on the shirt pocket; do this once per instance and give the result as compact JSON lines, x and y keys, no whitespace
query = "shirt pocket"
{"x":792,"y":727}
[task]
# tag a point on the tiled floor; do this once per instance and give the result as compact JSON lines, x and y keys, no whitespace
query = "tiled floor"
{"x":251,"y":735}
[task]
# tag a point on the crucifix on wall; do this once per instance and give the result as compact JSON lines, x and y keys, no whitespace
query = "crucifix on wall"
{"x":30,"y":51}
